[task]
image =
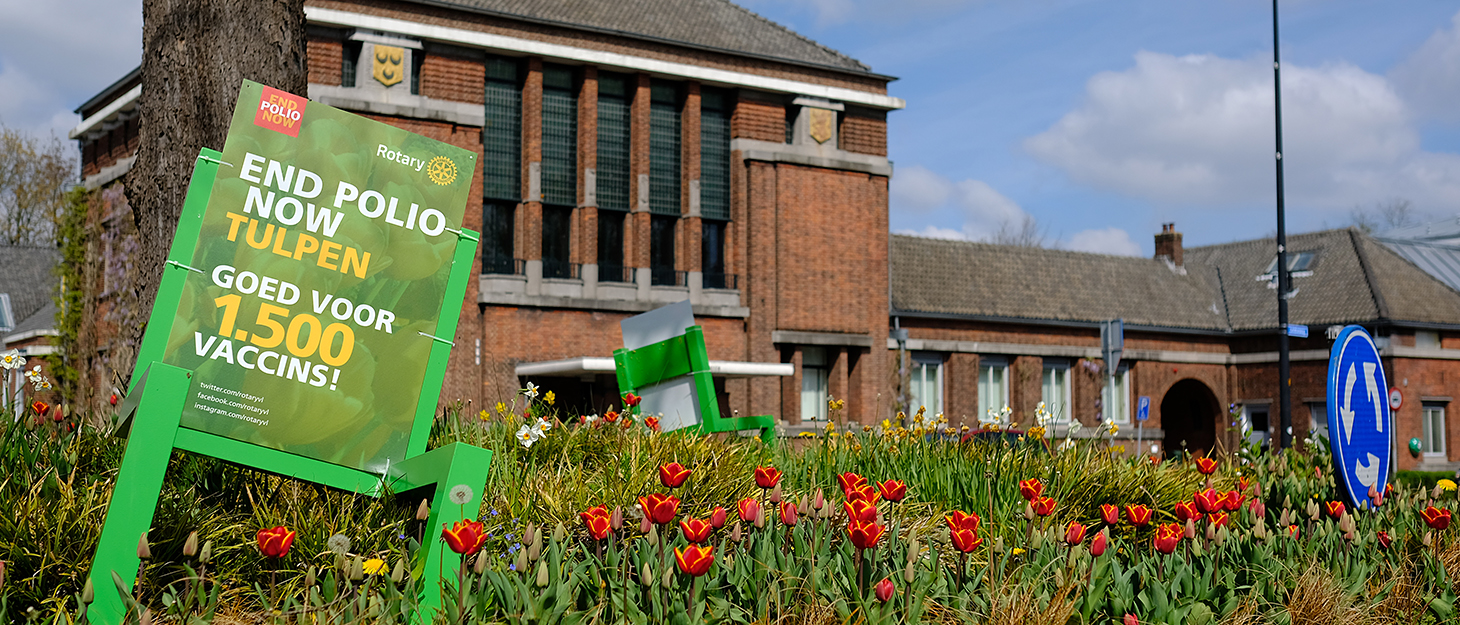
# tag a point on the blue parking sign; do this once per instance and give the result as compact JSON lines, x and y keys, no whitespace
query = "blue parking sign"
{"x":1143,"y":408}
{"x":1359,"y":426}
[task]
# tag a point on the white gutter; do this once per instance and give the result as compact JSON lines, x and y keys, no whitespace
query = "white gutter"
{"x":459,"y":36}
{"x":116,"y":106}
{"x":588,"y":364}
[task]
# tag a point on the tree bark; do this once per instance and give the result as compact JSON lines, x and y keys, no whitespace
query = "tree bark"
{"x":195,"y":55}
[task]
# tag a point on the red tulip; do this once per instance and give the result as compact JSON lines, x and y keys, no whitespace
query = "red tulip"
{"x":1074,"y":533}
{"x":767,"y":477}
{"x":1043,"y":506}
{"x":610,"y":416}
{"x":660,"y":508}
{"x":1384,"y":540}
{"x":464,"y":537}
{"x":885,"y":589}
{"x":893,"y":490}
{"x":113,"y":399}
{"x":594,"y":511}
{"x":1155,"y":461}
{"x":1207,"y":466}
{"x":672,"y":475}
{"x":1293,"y":531}
{"x":1242,"y":484}
{"x":860,"y":510}
{"x":1186,"y":511}
{"x":748,"y":508}
{"x":1130,"y":619}
{"x":865,"y":493}
{"x":40,"y":407}
{"x":275,"y":541}
{"x":789,"y":513}
{"x":652,"y":423}
{"x":1218,"y":519}
{"x":1208,"y":501}
{"x":695,"y":560}
{"x":1099,"y":543}
{"x":695,"y":530}
{"x":864,"y":535}
{"x":1109,"y":513}
{"x":598,"y":526}
{"x":1335,"y":508}
{"x":849,"y":481}
{"x":57,"y":416}
{"x":718,"y":517}
{"x":1167,"y":537}
{"x":631,"y":400}
{"x":965,"y":540}
{"x":1031,"y":489}
{"x":963,"y":521}
{"x":1436,"y":518}
{"x":1233,"y":501}
{"x":1138,"y":515}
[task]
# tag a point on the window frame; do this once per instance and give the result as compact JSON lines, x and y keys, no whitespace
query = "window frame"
{"x":822,"y":372}
{"x":1122,"y":382}
{"x":921,"y":362}
{"x":990,"y":363}
{"x":1429,"y":439}
{"x":1068,"y":400}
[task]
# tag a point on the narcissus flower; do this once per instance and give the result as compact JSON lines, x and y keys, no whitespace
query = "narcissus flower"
{"x":1334,"y":508}
{"x":748,"y":508}
{"x":1207,"y":466}
{"x":1043,"y":506}
{"x":1031,"y":489}
{"x":860,"y":510}
{"x":1436,"y":518}
{"x":274,"y":542}
{"x":1167,"y":537}
{"x":1074,"y":533}
{"x":1208,"y":501}
{"x":1138,"y":515}
{"x":885,"y":589}
{"x":1109,"y":513}
{"x":767,"y":477}
{"x":660,"y":508}
{"x":464,"y":537}
{"x":961,"y":520}
{"x":849,"y":481}
{"x":672,"y":475}
{"x":695,"y":530}
{"x":864,"y":535}
{"x":694,"y":560}
{"x":893,"y":490}
{"x":965,"y":540}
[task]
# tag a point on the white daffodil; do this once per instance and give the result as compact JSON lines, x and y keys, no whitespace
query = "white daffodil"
{"x":526,"y":437}
{"x":530,"y":391}
{"x":538,"y":432}
{"x":12,"y":360}
{"x":543,"y":424}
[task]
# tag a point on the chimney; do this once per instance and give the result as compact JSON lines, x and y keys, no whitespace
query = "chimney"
{"x":1168,"y":244}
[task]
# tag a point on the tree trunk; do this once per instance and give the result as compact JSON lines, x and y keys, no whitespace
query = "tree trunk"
{"x":195,"y":54}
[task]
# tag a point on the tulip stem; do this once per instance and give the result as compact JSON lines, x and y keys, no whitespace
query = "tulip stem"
{"x":461,"y":591}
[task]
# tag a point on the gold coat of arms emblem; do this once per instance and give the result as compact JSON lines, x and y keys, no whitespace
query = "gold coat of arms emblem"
{"x":822,"y":122}
{"x":389,"y":64}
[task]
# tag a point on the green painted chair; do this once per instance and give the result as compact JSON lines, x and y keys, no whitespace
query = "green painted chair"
{"x":154,"y":404}
{"x":685,"y":355}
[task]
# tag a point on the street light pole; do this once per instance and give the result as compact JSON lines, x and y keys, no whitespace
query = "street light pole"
{"x":1283,"y":279}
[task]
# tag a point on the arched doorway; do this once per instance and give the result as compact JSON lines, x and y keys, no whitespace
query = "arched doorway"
{"x":1189,"y":415}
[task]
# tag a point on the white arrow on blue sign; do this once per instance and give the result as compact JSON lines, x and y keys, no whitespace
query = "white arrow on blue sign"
{"x":1358,"y":414}
{"x":1143,"y":408}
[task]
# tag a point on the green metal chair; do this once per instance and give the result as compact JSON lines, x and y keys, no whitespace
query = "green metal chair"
{"x":685,"y":355}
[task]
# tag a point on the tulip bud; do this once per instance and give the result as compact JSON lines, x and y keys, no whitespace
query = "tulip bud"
{"x":776,"y":494}
{"x":913,"y":548}
{"x":1211,"y":532}
{"x":999,"y":545}
{"x":909,"y":573}
{"x":653,"y":536}
{"x":668,"y":577}
{"x":481,"y":565}
{"x":1286,"y":518}
{"x":884,"y":589}
{"x":145,"y":618}
{"x":190,"y":546}
{"x":616,"y":520}
{"x":1059,"y":578}
{"x":144,"y":552}
{"x":1037,"y":540}
{"x":521,"y":564}
{"x":735,"y":533}
{"x":536,"y":545}
{"x":646,"y":576}
{"x":423,"y":511}
{"x":1428,"y":538}
{"x":645,"y":525}
{"x":1222,"y":535}
{"x":542,"y":574}
{"x":804,"y":507}
{"x":560,"y":533}
{"x":357,"y":569}
{"x":309,"y":578}
{"x":788,"y":513}
{"x":529,"y":535}
{"x":88,"y":594}
{"x":1028,"y":512}
{"x":818,"y":501}
{"x":1349,"y":536}
{"x":759,"y":518}
{"x":1435,"y":494}
{"x":1190,"y":529}
{"x":207,"y":553}
{"x":1287,"y":501}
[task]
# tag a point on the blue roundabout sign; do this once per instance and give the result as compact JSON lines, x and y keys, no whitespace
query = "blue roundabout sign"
{"x":1359,"y":427}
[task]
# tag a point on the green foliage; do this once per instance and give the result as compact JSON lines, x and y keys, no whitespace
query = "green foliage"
{"x":73,"y":239}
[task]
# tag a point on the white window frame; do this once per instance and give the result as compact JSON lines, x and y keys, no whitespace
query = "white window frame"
{"x":1060,"y":413}
{"x":1429,"y":433}
{"x":992,"y":362}
{"x":1257,"y":436}
{"x":1122,"y":386}
{"x":922,"y":362}
{"x":819,"y":410}
{"x":1317,"y":419}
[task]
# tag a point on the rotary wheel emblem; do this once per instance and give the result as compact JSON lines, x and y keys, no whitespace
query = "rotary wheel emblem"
{"x":441,"y":170}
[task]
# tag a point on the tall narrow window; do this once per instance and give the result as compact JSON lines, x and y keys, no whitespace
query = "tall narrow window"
{"x":559,"y":137}
{"x":815,"y":375}
{"x":661,"y":251}
{"x":714,"y":185}
{"x":557,"y":222}
{"x":993,"y":385}
{"x":712,"y":255}
{"x":613,"y":175}
{"x":1116,"y":402}
{"x":664,"y":187}
{"x":1318,"y":421}
{"x":501,"y":163}
{"x":418,"y":58}
{"x":926,"y":384}
{"x":1434,"y":426}
{"x":1255,"y":418}
{"x":349,"y":58}
{"x":1055,"y":390}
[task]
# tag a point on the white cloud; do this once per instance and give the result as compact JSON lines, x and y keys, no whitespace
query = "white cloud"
{"x":1103,"y":241}
{"x":56,"y":54}
{"x":1198,"y":131}
{"x":831,"y":12}
{"x":919,"y":189}
{"x":934,"y":232}
{"x":1430,"y":78}
{"x":981,"y":208}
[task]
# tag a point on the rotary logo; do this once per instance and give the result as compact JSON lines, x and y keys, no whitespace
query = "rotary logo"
{"x":441,"y":170}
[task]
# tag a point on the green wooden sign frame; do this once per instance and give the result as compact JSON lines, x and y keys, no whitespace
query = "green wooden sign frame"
{"x":685,"y":355}
{"x":158,"y":392}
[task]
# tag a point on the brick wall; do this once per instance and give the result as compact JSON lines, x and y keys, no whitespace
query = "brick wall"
{"x":325,"y":61}
{"x":453,"y":77}
{"x":763,"y":121}
{"x":864,"y":131}
{"x":819,"y":213}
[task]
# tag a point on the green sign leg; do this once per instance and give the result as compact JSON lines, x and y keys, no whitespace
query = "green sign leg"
{"x":139,"y":484}
{"x":448,"y":467}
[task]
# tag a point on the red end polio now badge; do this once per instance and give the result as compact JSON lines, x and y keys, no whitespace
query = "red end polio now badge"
{"x":281,"y":111}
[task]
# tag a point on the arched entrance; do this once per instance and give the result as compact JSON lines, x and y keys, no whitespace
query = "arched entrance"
{"x":1189,"y":414}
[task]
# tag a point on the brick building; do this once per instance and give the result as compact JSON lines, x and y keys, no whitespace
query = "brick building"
{"x":634,"y":154}
{"x":989,"y":326}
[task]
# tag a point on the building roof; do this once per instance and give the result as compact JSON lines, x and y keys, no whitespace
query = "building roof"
{"x":983,"y":280}
{"x":709,"y":24}
{"x":1354,"y":279}
{"x":28,"y":279}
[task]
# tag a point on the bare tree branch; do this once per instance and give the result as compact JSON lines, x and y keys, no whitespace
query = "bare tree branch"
{"x":34,"y":176}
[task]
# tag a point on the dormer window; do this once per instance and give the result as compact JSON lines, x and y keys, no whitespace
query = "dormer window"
{"x":1300,"y":265}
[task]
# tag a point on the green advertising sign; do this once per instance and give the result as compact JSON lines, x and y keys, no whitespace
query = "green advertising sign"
{"x":320,"y":275}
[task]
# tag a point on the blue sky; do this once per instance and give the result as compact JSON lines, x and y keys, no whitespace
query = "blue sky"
{"x":1101,"y":120}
